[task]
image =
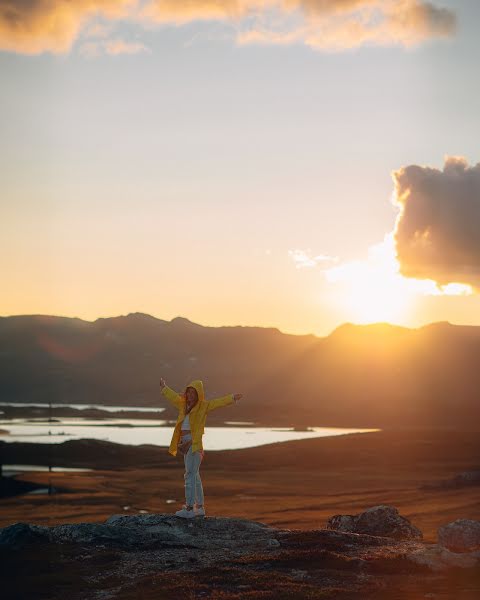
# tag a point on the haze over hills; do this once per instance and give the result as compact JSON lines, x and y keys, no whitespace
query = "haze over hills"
{"x":376,"y":375}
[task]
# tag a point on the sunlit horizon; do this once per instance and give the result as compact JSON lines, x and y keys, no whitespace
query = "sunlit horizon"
{"x":279,"y":164}
{"x":355,"y":322}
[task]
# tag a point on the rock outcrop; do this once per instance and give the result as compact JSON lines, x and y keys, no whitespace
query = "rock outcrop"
{"x":463,"y":535}
{"x":215,"y":557}
{"x":139,"y":532}
{"x":378,"y":520}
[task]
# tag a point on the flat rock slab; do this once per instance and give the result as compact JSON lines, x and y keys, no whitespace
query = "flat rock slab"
{"x":136,"y":532}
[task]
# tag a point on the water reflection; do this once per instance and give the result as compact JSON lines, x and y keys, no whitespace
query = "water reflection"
{"x":106,"y":407}
{"x":158,"y":433}
{"x":11,"y":470}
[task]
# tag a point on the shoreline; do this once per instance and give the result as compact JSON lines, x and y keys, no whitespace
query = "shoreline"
{"x":168,"y":417}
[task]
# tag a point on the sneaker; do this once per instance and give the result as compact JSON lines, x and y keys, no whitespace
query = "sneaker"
{"x":199,"y":512}
{"x":185,"y":514}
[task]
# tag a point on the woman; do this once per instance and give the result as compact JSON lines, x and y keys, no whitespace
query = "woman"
{"x":187,"y":437}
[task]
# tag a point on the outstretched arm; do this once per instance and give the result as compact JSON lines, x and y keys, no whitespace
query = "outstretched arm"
{"x":170,"y":395}
{"x":223,"y":401}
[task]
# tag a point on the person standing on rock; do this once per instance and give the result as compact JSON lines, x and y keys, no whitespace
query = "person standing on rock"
{"x":187,"y":438}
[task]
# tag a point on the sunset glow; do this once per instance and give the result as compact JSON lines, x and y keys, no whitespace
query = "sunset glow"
{"x":266,"y":207}
{"x":374,"y":290}
{"x":285,"y":164}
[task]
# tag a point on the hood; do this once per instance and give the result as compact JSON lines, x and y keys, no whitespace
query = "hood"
{"x":198,"y":385}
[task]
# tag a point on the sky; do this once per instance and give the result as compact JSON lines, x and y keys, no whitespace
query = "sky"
{"x":279,"y":163}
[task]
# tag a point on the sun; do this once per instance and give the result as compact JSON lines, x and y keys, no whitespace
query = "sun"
{"x":375,"y":301}
{"x":372,"y":290}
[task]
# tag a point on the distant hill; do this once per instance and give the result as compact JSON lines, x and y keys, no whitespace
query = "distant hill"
{"x":372,"y":375}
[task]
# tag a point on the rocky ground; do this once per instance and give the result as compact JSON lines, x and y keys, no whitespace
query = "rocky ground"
{"x":308,"y":519}
{"x":163,"y":556}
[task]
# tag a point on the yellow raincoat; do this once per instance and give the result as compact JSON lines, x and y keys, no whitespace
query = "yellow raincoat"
{"x":197,"y":415}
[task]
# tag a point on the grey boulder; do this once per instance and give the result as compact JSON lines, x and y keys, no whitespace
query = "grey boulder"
{"x":378,"y":520}
{"x":462,"y":535}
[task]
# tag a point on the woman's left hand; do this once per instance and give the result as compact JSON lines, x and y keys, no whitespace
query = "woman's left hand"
{"x":236,"y":397}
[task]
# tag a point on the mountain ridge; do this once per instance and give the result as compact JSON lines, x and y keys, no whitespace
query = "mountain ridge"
{"x":360,"y":375}
{"x":179,"y":320}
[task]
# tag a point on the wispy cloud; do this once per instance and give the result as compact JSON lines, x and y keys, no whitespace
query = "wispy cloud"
{"x":34,"y":26}
{"x":335,"y":25}
{"x":112,"y":47}
{"x":98,"y":30}
{"x":322,"y":24}
{"x":302,"y":259}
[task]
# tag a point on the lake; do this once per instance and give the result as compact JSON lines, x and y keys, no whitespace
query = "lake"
{"x":154,"y":431}
{"x":106,"y":407}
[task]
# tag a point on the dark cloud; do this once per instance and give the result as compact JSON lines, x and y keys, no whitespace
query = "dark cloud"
{"x":437,"y":233}
{"x":34,"y":26}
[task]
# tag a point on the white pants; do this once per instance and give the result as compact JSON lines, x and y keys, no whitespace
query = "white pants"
{"x":193,"y":483}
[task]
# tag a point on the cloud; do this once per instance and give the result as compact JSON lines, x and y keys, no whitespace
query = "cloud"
{"x":98,"y":30}
{"x":302,"y":259}
{"x":34,"y":26}
{"x":122,"y":47}
{"x":322,"y":24}
{"x":338,"y":25}
{"x":374,"y":290}
{"x":437,"y":231}
{"x":112,"y":47}
{"x":180,"y":12}
{"x":380,"y":272}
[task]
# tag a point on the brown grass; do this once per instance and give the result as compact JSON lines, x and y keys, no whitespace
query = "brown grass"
{"x":291,"y":485}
